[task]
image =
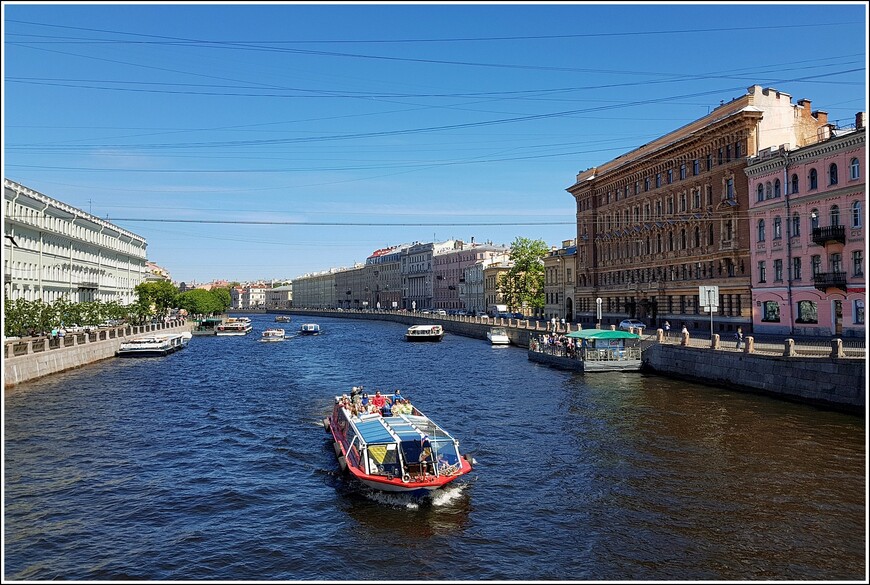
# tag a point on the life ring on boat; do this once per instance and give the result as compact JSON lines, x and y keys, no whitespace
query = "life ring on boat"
{"x":406,"y":478}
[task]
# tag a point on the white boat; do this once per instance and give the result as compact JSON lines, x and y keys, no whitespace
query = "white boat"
{"x":424,"y":333}
{"x":282,"y":319}
{"x":154,"y":344}
{"x":309,"y":329}
{"x":592,"y":350}
{"x":234,"y":326}
{"x":272,"y":334}
{"x":498,"y":336}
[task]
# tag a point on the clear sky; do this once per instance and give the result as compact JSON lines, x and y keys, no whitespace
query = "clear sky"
{"x":267,"y":140}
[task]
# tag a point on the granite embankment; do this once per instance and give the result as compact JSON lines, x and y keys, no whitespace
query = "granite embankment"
{"x":35,"y":357}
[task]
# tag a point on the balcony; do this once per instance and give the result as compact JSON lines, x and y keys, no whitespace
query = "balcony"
{"x":87,"y":285}
{"x":831,"y":233}
{"x":825,"y":280}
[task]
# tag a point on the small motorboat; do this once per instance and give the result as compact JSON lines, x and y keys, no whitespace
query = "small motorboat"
{"x":272,"y":334}
{"x":309,"y":329}
{"x":498,"y":336}
{"x":425,"y":333}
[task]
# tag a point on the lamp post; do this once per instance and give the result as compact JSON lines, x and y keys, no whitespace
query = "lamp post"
{"x":598,"y":303}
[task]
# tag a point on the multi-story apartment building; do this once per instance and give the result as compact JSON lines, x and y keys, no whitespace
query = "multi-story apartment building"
{"x":319,"y":290}
{"x":385,"y":285}
{"x":559,"y":270}
{"x":491,"y":289}
{"x":449,"y":270}
{"x":52,"y":250}
{"x":279,"y":297}
{"x":807,"y":243}
{"x":417,"y":287}
{"x":656,"y":223}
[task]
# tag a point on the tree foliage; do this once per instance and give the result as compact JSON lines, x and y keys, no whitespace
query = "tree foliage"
{"x":523,"y":285}
{"x":202,"y":302}
{"x":160,"y":296}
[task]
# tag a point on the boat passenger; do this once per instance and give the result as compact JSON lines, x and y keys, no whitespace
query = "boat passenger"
{"x":365,"y":399}
{"x":397,"y":396}
{"x":387,"y":410}
{"x":378,"y":400}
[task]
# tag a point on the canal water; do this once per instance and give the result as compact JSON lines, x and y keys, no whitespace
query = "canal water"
{"x":211,"y":464}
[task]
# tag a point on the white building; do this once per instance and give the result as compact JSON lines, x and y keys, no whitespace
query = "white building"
{"x":52,"y":250}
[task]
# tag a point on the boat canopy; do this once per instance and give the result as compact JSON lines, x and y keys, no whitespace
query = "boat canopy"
{"x":602,"y":334}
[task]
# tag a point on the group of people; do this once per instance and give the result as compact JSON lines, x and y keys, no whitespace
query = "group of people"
{"x":359,"y":403}
{"x":556,"y":344}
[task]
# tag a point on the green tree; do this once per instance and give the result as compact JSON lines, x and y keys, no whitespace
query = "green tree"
{"x":200,"y":302}
{"x":160,"y":296}
{"x":523,"y":285}
{"x":224,"y":296}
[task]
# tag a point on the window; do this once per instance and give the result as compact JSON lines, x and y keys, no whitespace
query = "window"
{"x":760,"y":230}
{"x":728,"y":153}
{"x":816,"y":262}
{"x":795,"y":225}
{"x":796,"y":269}
{"x":729,"y":188}
{"x":696,"y":199}
{"x":720,"y":157}
{"x":710,"y":239}
{"x":835,"y":215}
{"x":760,"y":196}
{"x":770,"y":311}
{"x":835,"y":262}
{"x":814,"y":179}
{"x":814,"y":219}
{"x":646,"y":184}
{"x":762,"y":271}
{"x":658,"y":180}
{"x":807,"y":312}
{"x":738,"y":150}
{"x":777,"y":270}
{"x":683,"y":171}
{"x":670,"y":176}
{"x":696,"y":166}
{"x":854,"y":169}
{"x":777,"y":188}
{"x":697,"y":236}
{"x":859,"y":312}
{"x":794,"y":183}
{"x":857,"y":263}
{"x":856,"y":214}
{"x":832,"y":174}
{"x":709,"y":162}
{"x":682,"y":202}
{"x":777,"y":228}
{"x":768,"y":190}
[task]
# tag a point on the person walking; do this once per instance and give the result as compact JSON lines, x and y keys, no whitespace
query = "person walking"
{"x":739,"y":337}
{"x":667,"y":327}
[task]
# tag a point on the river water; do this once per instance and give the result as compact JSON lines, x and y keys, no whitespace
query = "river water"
{"x":211,"y":464}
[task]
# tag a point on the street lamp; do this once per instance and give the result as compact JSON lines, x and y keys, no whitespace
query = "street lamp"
{"x":598,"y":303}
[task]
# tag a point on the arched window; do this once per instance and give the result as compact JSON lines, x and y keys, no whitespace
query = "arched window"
{"x":814,"y":219}
{"x":795,"y":225}
{"x":760,"y":230}
{"x":814,"y":179}
{"x":856,"y":214}
{"x":760,"y":192}
{"x":854,"y":168}
{"x":835,"y":215}
{"x":768,"y":190}
{"x":832,"y":174}
{"x":777,"y":228}
{"x":777,"y":188}
{"x":794,"y":183}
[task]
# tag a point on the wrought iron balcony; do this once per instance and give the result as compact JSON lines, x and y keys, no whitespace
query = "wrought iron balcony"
{"x":825,"y":280}
{"x":831,"y":233}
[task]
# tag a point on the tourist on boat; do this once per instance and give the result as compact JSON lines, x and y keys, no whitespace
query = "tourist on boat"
{"x":387,"y":409}
{"x":365,"y":399}
{"x":378,"y":400}
{"x":397,"y":396}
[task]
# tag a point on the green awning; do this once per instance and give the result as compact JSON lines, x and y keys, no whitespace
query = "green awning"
{"x":602,"y":334}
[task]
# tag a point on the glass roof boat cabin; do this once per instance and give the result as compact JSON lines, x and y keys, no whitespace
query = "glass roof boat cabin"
{"x":405,"y":453}
{"x":425,"y":333}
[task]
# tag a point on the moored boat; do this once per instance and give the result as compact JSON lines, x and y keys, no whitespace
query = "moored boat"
{"x":404,"y":453}
{"x":498,"y":336}
{"x":154,"y":344}
{"x":207,"y":326}
{"x":272,"y":334}
{"x":591,"y":350}
{"x":424,"y":333}
{"x":234,"y":326}
{"x":309,"y":329}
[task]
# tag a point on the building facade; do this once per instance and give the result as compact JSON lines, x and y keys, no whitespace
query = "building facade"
{"x":659,"y":222}
{"x":54,"y":251}
{"x":449,"y":271}
{"x":279,"y":297}
{"x":559,"y":271}
{"x":808,"y":239}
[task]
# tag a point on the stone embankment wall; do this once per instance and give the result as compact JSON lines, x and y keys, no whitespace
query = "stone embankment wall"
{"x":825,"y":381}
{"x":28,"y":359}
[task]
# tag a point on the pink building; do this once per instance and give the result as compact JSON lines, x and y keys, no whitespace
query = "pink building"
{"x":448,"y":271}
{"x":806,"y":216}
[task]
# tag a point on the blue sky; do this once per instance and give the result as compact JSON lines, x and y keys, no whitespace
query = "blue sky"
{"x":258,"y":141}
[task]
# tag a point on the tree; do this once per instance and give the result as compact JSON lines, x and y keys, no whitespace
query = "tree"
{"x":224,"y":296}
{"x":160,"y":296}
{"x":200,"y":302}
{"x":523,"y":285}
